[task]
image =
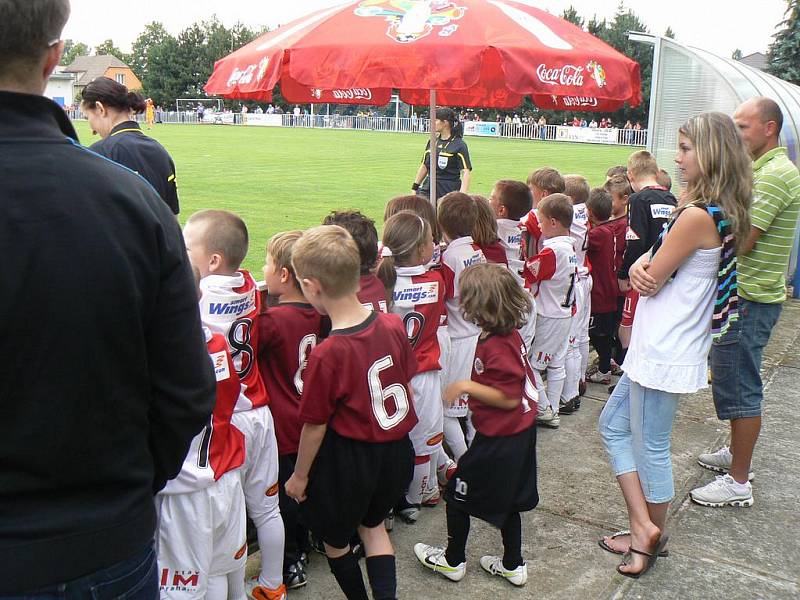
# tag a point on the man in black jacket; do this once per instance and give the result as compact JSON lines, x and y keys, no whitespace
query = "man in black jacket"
{"x":104,"y":377}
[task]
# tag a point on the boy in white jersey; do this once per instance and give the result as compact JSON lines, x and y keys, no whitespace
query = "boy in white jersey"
{"x":542,"y":182}
{"x":217,"y":242}
{"x":205,"y":557}
{"x":511,"y":201}
{"x":577,"y":188}
{"x":551,"y":276}
{"x":456,"y":216}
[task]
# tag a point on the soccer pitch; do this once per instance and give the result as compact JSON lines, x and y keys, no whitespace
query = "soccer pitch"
{"x":278,"y":179}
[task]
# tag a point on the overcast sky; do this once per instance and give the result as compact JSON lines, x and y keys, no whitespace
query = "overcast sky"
{"x":719,"y":26}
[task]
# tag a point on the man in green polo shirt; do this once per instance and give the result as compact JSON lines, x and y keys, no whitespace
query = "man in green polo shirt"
{"x":763,"y":262}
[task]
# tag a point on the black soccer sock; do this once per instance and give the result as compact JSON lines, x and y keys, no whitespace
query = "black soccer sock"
{"x":622,"y":353}
{"x":382,"y":574}
{"x":512,"y":542}
{"x":348,"y":575}
{"x":603,"y":344}
{"x":457,"y":532}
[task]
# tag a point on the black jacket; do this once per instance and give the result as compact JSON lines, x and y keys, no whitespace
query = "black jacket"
{"x":104,"y":376}
{"x":127,"y":145}
{"x":648,"y":212}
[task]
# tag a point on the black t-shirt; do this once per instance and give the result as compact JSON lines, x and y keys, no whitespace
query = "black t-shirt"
{"x":648,"y":212}
{"x":452,"y":157}
{"x":128,"y":146}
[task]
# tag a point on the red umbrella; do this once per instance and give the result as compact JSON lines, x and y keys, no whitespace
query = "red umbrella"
{"x":488,"y":53}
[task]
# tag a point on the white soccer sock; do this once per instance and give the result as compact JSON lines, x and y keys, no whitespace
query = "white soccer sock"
{"x":270,"y":541}
{"x":433,"y":474}
{"x":572,"y":371}
{"x":555,"y":386}
{"x":583,"y":347}
{"x":419,"y":482}
{"x":538,"y":384}
{"x":470,"y":429}
{"x":236,"y":585}
{"x":454,"y":437}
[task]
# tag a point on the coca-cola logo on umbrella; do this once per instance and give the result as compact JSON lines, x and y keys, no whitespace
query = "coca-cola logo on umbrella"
{"x":571,"y":75}
{"x":349,"y":94}
{"x":411,"y":20}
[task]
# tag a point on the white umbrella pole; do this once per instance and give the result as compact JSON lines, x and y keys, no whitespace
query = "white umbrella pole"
{"x":432,"y":170}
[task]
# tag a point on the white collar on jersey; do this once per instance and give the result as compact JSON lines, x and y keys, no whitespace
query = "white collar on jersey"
{"x":462,"y":241}
{"x":409,"y":271}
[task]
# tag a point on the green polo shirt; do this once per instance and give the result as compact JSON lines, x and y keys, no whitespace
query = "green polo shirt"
{"x":776,"y":204}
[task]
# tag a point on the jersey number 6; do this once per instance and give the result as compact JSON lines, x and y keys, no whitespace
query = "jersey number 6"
{"x":380,"y":395}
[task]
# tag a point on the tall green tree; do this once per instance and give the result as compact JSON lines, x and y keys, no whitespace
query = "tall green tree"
{"x":737,"y":54}
{"x":108,"y":48}
{"x":783,"y":57}
{"x":571,"y":14}
{"x":73,"y":50}
{"x":153,"y":59}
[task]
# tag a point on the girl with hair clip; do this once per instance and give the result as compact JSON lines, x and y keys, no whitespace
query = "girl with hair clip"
{"x":110,"y":108}
{"x":687,"y":284}
{"x":453,"y":166}
{"x":416,"y":294}
{"x":496,"y":478}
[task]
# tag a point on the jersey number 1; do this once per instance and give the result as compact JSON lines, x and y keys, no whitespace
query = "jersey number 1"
{"x":380,"y":395}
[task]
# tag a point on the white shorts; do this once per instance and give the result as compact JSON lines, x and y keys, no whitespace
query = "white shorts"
{"x":550,"y":342}
{"x":459,"y":367}
{"x":528,"y":330}
{"x":426,"y":436}
{"x":200,"y":534}
{"x":579,"y":328}
{"x":260,"y":470}
{"x":444,"y":351}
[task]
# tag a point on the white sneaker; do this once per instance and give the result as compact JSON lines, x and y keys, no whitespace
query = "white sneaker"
{"x":548,"y":418}
{"x":431,"y":497}
{"x":723,"y":491}
{"x":445,"y":472}
{"x":720,"y":461}
{"x":494,"y":566}
{"x":433,"y":558}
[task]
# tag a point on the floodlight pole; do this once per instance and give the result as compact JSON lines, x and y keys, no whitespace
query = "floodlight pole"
{"x":432,"y":169}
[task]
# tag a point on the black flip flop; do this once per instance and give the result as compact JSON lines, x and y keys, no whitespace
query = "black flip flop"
{"x":651,"y":558}
{"x":602,"y":543}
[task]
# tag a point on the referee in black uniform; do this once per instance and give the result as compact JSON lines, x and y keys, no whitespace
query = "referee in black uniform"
{"x":453,"y":165}
{"x":110,"y":107}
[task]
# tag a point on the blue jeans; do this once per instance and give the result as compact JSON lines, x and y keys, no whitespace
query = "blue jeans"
{"x":135,"y":578}
{"x":636,"y":427}
{"x":736,"y":361}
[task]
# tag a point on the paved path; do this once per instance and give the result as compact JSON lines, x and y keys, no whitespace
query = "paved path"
{"x":729,"y":553}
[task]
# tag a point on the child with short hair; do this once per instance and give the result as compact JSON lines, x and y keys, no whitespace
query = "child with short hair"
{"x":362,"y":229}
{"x":201,"y":514}
{"x":604,"y":282}
{"x":484,"y":233}
{"x":356,"y":416}
{"x":577,"y":188}
{"x":664,"y":180}
{"x":496,"y":479}
{"x":551,"y":276}
{"x":288,"y":332}
{"x":416,"y":294}
{"x":542,"y":182}
{"x":620,"y":190}
{"x":457,"y":215}
{"x":217,"y":243}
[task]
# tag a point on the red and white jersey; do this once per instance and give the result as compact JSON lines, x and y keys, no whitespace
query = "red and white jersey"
{"x":288,"y":333}
{"x":458,"y":255}
{"x":219,"y":447}
{"x":495,"y":253}
{"x":501,"y":363}
{"x":579,"y":231}
{"x":358,"y":381}
{"x":534,"y":242}
{"x":418,"y":298}
{"x":510,"y":234}
{"x":230,"y":306}
{"x":551,"y":276}
{"x":372,"y":294}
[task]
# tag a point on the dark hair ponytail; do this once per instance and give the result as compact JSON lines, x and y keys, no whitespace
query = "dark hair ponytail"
{"x":449,"y":115}
{"x":403,"y":234}
{"x":113,"y":95}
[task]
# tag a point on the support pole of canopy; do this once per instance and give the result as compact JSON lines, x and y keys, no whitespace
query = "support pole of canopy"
{"x":432,"y":169}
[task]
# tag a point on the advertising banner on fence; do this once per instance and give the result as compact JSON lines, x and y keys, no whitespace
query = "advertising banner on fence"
{"x":589,"y":135}
{"x":482,"y":128}
{"x":264,"y":120}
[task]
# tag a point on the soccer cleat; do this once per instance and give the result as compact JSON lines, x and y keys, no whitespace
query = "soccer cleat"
{"x":548,"y":418}
{"x":434,"y":559}
{"x":616,"y":370}
{"x":295,"y":576}
{"x":431,"y":497}
{"x":494,"y":566}
{"x":720,"y":462}
{"x":569,"y":407}
{"x":259,"y":592}
{"x":723,"y":491}
{"x":445,"y":472}
{"x":407,"y":511}
{"x":600,"y":377}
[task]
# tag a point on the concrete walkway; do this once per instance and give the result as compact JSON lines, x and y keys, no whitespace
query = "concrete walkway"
{"x":728,"y":553}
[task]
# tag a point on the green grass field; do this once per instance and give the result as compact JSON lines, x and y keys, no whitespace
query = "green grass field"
{"x":279,"y":179}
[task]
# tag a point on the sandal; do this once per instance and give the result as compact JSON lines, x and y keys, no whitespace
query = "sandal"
{"x":602,"y":543}
{"x":651,"y":558}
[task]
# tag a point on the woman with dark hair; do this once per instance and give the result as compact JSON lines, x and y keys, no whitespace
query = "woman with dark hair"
{"x":453,"y":165}
{"x":110,"y":108}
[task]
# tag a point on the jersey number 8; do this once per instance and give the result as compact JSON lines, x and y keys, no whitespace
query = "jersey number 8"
{"x":380,"y":395}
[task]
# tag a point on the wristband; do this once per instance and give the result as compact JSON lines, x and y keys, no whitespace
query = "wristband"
{"x":414,"y":186}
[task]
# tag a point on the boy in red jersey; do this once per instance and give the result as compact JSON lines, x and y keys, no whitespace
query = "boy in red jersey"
{"x":288,"y":333}
{"x":201,"y":516}
{"x":620,"y":189}
{"x":370,"y":291}
{"x":355,"y":459}
{"x":217,"y":242}
{"x":496,"y":478}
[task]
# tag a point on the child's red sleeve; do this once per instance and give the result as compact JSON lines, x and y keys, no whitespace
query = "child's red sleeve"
{"x":540,"y":267}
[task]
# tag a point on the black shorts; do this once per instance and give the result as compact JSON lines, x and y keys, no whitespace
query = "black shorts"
{"x":603,"y":324}
{"x":354,"y":483}
{"x":496,"y":477}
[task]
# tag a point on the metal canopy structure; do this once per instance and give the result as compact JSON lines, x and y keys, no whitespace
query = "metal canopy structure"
{"x":688,"y":81}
